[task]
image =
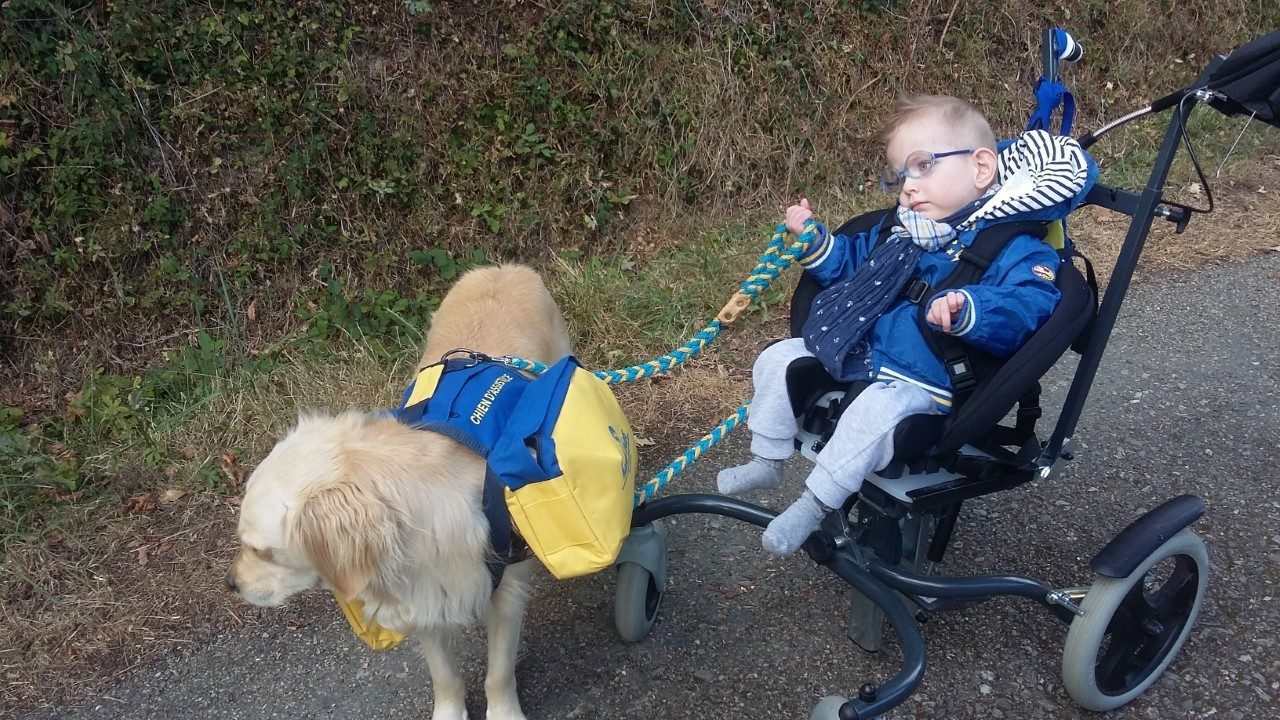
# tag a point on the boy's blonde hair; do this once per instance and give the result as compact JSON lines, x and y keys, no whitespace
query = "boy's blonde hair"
{"x":964,"y":119}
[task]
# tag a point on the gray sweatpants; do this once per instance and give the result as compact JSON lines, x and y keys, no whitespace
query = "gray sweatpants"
{"x":863,"y":438}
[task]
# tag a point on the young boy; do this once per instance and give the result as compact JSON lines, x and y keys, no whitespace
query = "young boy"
{"x":944,"y":166}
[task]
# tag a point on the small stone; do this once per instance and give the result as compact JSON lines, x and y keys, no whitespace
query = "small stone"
{"x":985,"y":689}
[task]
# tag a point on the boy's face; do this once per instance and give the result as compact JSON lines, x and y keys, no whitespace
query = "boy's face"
{"x":951,"y":182}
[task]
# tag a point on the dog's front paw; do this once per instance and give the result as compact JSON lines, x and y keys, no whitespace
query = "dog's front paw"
{"x":449,"y":712}
{"x":506,"y":712}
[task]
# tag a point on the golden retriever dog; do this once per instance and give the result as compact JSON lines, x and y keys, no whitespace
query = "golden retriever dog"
{"x":391,"y":516}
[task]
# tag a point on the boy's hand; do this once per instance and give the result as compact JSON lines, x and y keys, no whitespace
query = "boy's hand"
{"x":944,"y":310}
{"x":797,"y":215}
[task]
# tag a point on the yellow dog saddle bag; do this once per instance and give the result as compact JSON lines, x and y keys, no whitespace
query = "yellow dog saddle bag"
{"x":561,"y":460}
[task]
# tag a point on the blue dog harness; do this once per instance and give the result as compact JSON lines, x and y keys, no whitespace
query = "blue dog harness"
{"x":471,"y":403}
{"x":559,"y":454}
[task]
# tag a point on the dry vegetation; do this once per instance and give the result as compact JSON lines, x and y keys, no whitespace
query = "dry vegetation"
{"x":211,"y":218}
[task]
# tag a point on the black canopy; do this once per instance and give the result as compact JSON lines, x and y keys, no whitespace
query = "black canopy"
{"x":1249,"y":78}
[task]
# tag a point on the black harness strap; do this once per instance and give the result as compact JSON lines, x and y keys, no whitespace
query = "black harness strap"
{"x":1081,"y":343}
{"x":957,"y":357}
{"x":1024,"y":421}
{"x":494,"y":503}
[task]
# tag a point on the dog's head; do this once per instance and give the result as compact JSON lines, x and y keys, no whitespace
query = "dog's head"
{"x":304,"y":518}
{"x":360,"y":504}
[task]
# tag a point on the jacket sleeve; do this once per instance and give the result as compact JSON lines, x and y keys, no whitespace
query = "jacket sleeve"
{"x":834,"y":258}
{"x":1013,"y":299}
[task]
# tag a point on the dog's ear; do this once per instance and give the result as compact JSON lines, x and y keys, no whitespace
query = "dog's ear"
{"x":346,"y":532}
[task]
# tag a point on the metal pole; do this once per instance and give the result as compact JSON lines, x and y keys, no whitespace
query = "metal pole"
{"x":1118,"y":285}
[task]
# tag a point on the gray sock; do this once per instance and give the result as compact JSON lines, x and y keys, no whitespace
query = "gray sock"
{"x":755,"y":475}
{"x":787,"y":532}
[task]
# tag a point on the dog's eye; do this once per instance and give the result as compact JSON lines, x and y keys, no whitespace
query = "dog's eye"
{"x":265,"y":553}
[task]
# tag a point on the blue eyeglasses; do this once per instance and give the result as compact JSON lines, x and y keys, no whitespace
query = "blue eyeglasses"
{"x":919,"y":164}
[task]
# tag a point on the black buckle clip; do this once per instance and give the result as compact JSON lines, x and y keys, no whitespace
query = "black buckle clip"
{"x":469,"y":358}
{"x":1030,"y":413}
{"x":962,"y":378}
{"x":915,"y":290}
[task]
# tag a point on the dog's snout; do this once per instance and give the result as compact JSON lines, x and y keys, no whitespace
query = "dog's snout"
{"x":230,"y":580}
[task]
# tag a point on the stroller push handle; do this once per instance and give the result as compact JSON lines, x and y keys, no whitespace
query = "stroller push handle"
{"x":1057,"y":45}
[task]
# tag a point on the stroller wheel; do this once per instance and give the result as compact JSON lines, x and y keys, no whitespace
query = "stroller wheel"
{"x":635,"y":605}
{"x":828,"y":708}
{"x":1134,"y":626}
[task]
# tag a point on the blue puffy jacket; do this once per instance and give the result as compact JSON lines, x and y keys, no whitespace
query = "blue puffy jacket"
{"x":1014,"y":297}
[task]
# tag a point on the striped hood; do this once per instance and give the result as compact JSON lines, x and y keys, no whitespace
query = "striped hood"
{"x":1042,"y":177}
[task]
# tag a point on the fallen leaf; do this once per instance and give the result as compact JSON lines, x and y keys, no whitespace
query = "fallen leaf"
{"x":231,"y":468}
{"x":252,"y":311}
{"x":72,"y":412}
{"x":643,"y":441}
{"x":140,"y":504}
{"x":143,"y":558}
{"x":172,"y":495}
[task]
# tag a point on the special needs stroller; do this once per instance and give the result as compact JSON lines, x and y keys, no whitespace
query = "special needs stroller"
{"x":1129,"y":623}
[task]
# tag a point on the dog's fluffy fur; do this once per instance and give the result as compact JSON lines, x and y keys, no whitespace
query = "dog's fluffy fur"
{"x":391,"y":516}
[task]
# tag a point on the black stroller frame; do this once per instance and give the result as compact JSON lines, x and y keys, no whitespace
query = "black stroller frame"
{"x":1122,"y":637}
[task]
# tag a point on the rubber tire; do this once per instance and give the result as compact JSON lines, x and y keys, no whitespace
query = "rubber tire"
{"x":828,"y":708}
{"x":1084,"y":639}
{"x":636,"y":602}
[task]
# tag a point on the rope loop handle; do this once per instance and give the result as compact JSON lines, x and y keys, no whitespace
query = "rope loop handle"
{"x":772,"y":263}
